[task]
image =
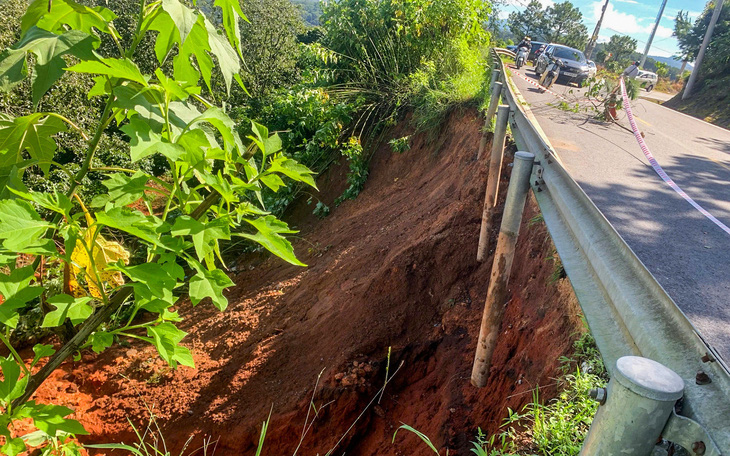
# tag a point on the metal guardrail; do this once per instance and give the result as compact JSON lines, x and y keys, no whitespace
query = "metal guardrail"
{"x":627,"y":310}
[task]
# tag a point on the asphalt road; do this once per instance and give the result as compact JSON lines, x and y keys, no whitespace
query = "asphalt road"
{"x":686,"y":252}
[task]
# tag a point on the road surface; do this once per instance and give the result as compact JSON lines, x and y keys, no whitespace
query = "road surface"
{"x":686,"y":252}
{"x":656,"y":97}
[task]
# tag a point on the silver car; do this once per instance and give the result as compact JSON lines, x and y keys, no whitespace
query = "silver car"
{"x":647,"y":80}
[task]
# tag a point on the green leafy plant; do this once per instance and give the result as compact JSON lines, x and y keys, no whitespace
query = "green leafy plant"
{"x":174,"y":225}
{"x":400,"y":145}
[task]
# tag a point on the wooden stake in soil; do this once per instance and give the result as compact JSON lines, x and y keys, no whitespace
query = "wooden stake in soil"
{"x":495,"y":171}
{"x":504,"y":254}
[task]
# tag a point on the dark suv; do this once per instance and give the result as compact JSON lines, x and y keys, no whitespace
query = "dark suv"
{"x":575,"y":66}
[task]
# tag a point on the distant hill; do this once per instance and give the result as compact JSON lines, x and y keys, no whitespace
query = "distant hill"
{"x":671,"y":62}
{"x":310,"y":11}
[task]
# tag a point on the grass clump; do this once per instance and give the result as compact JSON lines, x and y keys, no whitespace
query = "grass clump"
{"x":555,"y":428}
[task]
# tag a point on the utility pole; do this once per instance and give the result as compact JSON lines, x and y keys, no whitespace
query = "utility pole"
{"x":653,"y":31}
{"x":592,"y":42}
{"x":701,"y":55}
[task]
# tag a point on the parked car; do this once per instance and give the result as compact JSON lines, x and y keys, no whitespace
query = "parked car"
{"x":647,"y":80}
{"x":575,"y":66}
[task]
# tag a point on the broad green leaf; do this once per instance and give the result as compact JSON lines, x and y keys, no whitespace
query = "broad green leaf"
{"x":125,"y":189}
{"x":13,"y":447}
{"x":9,"y":309}
{"x":32,"y":133}
{"x":51,"y":419}
{"x":101,"y":340}
{"x":272,"y":181}
{"x":268,"y":145}
{"x":13,"y":68}
{"x":195,"y":45}
{"x":174,"y":90}
{"x":146,"y":227}
{"x":225,"y":126}
{"x":183,"y":17}
{"x":269,"y":232}
{"x":53,"y":201}
{"x":209,"y":284}
{"x":75,"y":309}
{"x":205,"y":235}
{"x":167,"y":338}
{"x":16,"y":291}
{"x":114,"y":68}
{"x":159,"y":278}
{"x":54,"y":15}
{"x":231,"y":14}
{"x":36,"y":438}
{"x":11,"y":386}
{"x":10,"y":179}
{"x":292,"y":169}
{"x":227,"y":58}
{"x":41,"y":351}
{"x":49,"y":50}
{"x":168,"y":35}
{"x":22,"y":227}
{"x":145,"y":142}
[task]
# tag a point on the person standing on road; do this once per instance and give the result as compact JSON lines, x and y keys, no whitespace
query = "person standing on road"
{"x":632,"y":70}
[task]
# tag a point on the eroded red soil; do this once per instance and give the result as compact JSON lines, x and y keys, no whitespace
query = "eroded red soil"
{"x":394,"y":268}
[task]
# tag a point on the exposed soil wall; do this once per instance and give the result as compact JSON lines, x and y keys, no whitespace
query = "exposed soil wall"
{"x":395,"y":268}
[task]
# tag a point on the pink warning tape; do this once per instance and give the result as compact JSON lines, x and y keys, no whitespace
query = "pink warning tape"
{"x":538,"y":85}
{"x":658,"y":169}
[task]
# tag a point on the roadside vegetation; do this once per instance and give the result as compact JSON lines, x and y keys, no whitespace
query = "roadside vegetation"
{"x":145,"y":143}
{"x":709,"y":98}
{"x":548,"y":428}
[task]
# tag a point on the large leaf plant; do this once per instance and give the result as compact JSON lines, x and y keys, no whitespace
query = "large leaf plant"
{"x":174,"y":223}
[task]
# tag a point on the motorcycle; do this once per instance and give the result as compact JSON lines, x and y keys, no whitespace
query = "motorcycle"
{"x":551,"y":73}
{"x":522,"y":54}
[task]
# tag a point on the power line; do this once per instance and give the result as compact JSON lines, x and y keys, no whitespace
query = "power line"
{"x":640,"y":41}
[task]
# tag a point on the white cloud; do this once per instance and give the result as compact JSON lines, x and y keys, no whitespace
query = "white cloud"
{"x":628,"y":1}
{"x":520,"y":4}
{"x":616,"y":20}
{"x":663,"y":32}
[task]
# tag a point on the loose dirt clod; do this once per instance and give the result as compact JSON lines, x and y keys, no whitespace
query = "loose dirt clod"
{"x":399,"y":270}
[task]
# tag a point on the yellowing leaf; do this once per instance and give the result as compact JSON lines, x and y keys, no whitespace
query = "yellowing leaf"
{"x":93,"y":254}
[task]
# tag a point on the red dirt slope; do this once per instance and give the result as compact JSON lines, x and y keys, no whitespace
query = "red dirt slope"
{"x":394,"y":268}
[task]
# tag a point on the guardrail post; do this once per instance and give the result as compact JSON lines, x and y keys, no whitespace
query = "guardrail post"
{"x":493,"y":102}
{"x":635,"y":408}
{"x":514,"y":205}
{"x":495,"y":76}
{"x":495,"y":170}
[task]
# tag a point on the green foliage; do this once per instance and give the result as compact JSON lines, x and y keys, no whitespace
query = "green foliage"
{"x":271,"y":53}
{"x":310,"y":10}
{"x":563,"y":23}
{"x":400,"y":145}
{"x":313,"y":125}
{"x":358,"y":174}
{"x":716,"y":62}
{"x":387,"y":50}
{"x":618,"y":49}
{"x":213,"y":190}
{"x":661,"y":69}
{"x":558,"y":23}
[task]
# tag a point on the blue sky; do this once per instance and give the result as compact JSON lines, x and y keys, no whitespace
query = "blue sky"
{"x":629,"y":17}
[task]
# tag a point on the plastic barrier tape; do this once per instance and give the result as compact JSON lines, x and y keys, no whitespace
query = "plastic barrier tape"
{"x":659,"y":170}
{"x":539,"y":86}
